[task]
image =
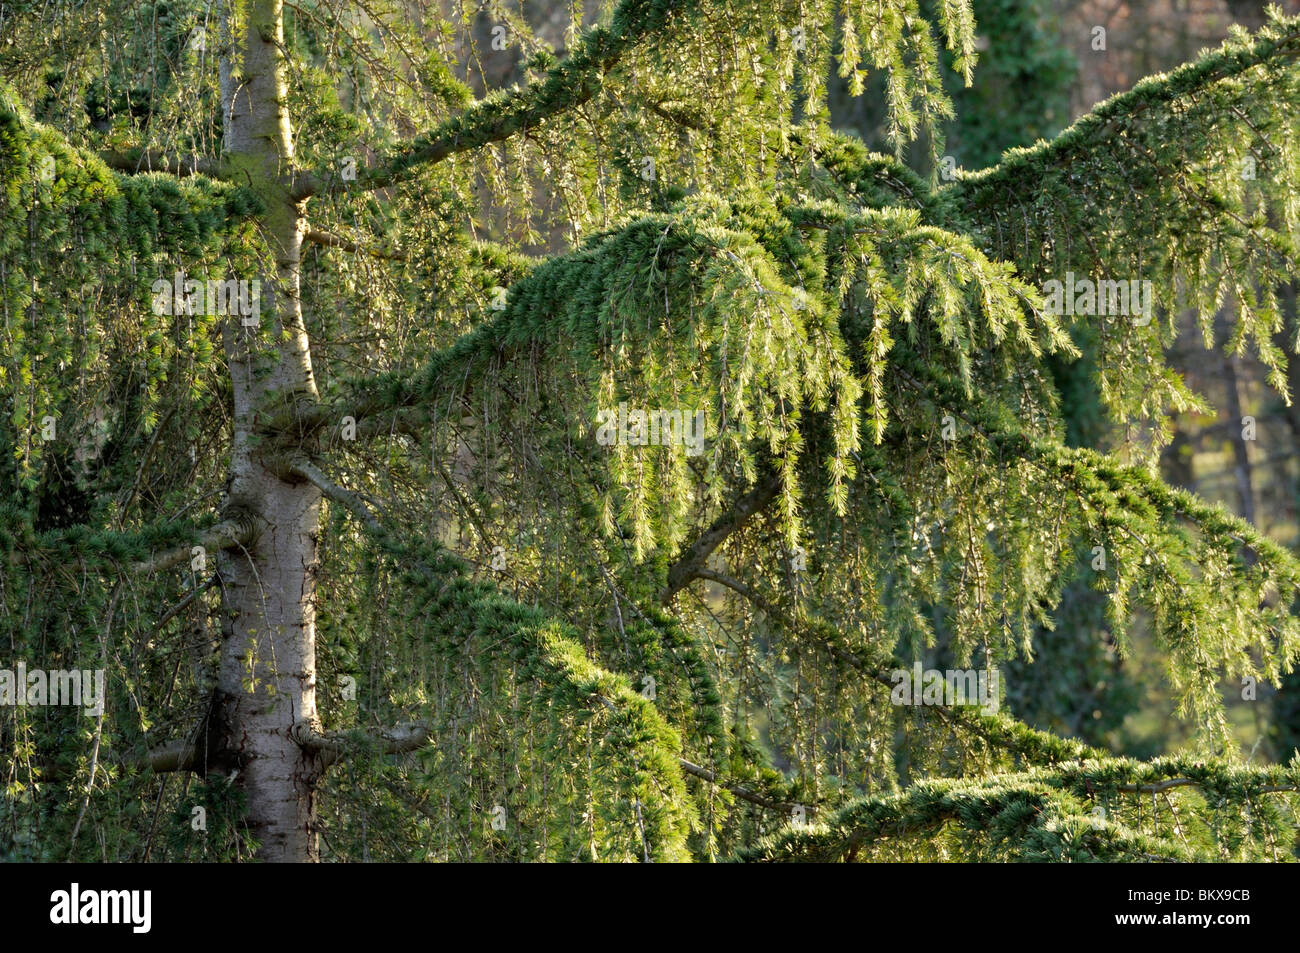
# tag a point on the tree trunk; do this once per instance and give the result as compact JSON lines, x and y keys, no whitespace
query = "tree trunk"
{"x":267,"y":678}
{"x":1240,"y":451}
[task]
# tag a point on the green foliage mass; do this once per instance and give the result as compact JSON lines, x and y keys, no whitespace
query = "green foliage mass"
{"x":624,"y":652}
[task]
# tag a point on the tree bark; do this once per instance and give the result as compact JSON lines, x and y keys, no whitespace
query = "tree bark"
{"x":1240,"y":451}
{"x":267,"y":676}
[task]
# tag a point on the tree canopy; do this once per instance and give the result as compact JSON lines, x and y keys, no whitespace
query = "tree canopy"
{"x":419,"y":556}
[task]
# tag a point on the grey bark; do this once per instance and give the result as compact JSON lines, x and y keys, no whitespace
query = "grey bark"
{"x":267,"y":673}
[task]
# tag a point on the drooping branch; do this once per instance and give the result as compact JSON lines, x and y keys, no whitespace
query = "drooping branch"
{"x":1033,"y":820}
{"x":557,"y":680}
{"x":1154,"y":147}
{"x":564,"y":310}
{"x":1112,"y":119}
{"x":1157,"y":537}
{"x":1129,"y":485}
{"x":1032,"y":809}
{"x":998,"y":730}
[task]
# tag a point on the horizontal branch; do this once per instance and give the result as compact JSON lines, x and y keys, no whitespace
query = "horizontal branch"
{"x":331,"y":746}
{"x":228,"y":534}
{"x":328,"y":239}
{"x":176,"y":756}
{"x":1170,"y":783}
{"x":1061,"y":792}
{"x":154,"y":160}
{"x":926,"y":808}
{"x":328,"y":746}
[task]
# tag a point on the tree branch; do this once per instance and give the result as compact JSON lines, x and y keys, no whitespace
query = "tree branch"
{"x":1168,"y":783}
{"x":176,"y":756}
{"x":331,"y":746}
{"x":742,"y":792}
{"x":330,"y":240}
{"x":998,"y":730}
{"x":688,"y":567}
{"x":346,"y":498}
{"x":180,"y":607}
{"x":154,"y":160}
{"x":1026,"y":174}
{"x":227,"y":534}
{"x":565,"y":86}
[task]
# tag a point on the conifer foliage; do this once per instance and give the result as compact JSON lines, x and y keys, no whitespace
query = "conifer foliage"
{"x":570,"y":470}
